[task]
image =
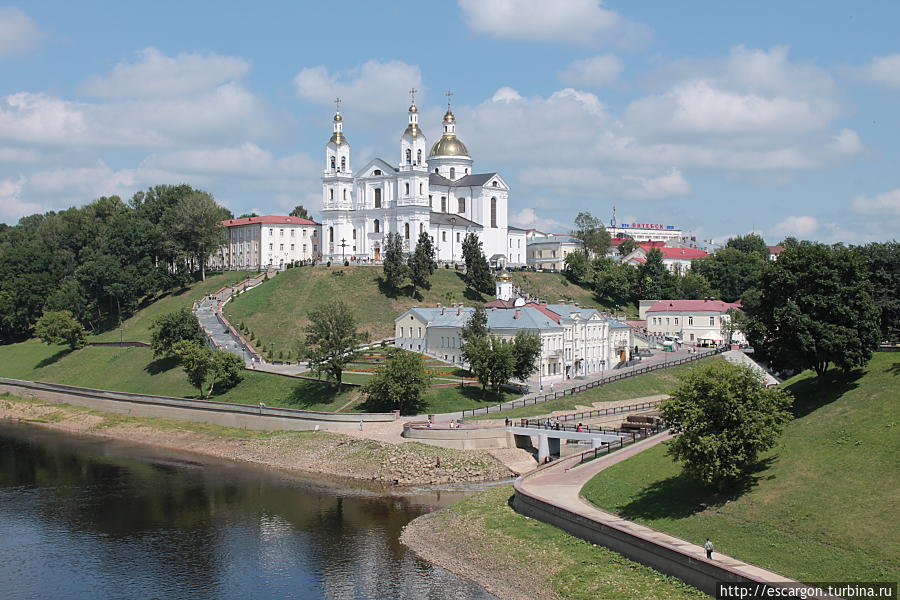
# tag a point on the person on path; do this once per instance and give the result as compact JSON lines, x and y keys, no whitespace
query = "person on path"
{"x":709,"y":548}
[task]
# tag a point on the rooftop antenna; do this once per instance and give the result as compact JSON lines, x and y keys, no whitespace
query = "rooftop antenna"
{"x":612,"y":222}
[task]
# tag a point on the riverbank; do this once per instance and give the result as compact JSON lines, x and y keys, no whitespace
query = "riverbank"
{"x":314,"y":452}
{"x":516,"y":558}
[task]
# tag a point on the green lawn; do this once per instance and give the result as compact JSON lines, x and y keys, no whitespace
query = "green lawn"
{"x":648,"y":384}
{"x":822,"y":507}
{"x":574,"y":569}
{"x":276,"y":311}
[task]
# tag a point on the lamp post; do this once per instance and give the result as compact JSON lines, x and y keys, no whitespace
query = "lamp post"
{"x":121,"y":335}
{"x":602,"y":366}
{"x":343,"y":245}
{"x":452,"y":248}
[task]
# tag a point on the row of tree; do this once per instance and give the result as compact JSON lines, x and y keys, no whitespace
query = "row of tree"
{"x":100,"y":260}
{"x":495,"y":361}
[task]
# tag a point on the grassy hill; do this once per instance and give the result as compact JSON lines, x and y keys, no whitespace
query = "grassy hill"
{"x":276,"y":312}
{"x":824,"y":505}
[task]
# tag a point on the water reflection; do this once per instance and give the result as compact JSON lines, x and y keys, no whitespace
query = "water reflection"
{"x":87,"y":518}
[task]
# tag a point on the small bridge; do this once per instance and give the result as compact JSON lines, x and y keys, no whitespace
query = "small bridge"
{"x":549,"y":438}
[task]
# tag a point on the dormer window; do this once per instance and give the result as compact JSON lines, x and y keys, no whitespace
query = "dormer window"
{"x":495,"y":184}
{"x":378,"y":172}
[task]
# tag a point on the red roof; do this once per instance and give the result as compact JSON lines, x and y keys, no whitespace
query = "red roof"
{"x":683,"y":253}
{"x":546,"y":311}
{"x":652,"y":244}
{"x":639,"y":259}
{"x":693,"y":306}
{"x":776,"y":250}
{"x":268,"y":220}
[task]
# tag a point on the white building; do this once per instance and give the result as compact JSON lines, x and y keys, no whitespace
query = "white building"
{"x":677,"y":260}
{"x":647,"y":232}
{"x":548,"y":251}
{"x":270,"y":241}
{"x":701,"y":322}
{"x":439,"y":193}
{"x":574,"y":340}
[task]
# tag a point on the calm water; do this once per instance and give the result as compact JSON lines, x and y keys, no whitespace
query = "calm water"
{"x":82,"y":518}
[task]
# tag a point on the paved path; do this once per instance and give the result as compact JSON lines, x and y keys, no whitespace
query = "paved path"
{"x":740,"y":358}
{"x":561,"y":486}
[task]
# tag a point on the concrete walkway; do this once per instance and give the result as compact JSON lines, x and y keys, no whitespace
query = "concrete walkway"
{"x":740,"y":358}
{"x":561,"y":484}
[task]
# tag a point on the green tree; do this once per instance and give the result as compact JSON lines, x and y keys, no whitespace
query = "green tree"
{"x":723,"y":416}
{"x":593,"y":236}
{"x":884,"y":274}
{"x":60,"y":327}
{"x":331,"y":339}
{"x":501,"y":362}
{"x":421,"y":264}
{"x":478,"y":272}
{"x":615,"y":282}
{"x":476,"y":352}
{"x":526,"y":347}
{"x":656,"y":281}
{"x":627,"y":247}
{"x":205,"y":367}
{"x":196,"y":228}
{"x":394,"y":268}
{"x":815,"y":308}
{"x":399,"y":385}
{"x":299,"y":211}
{"x":749,"y":244}
{"x":170,"y":328}
{"x":731,"y":272}
{"x":693,"y":286}
{"x":475,"y":327}
{"x":578,"y":267}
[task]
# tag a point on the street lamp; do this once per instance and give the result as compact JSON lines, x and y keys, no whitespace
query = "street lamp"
{"x":452,"y":248}
{"x":121,"y":335}
{"x":343,"y":245}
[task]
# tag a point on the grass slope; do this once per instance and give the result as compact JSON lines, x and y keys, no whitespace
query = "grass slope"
{"x":276,"y":312}
{"x":825,"y":502}
{"x":648,"y":384}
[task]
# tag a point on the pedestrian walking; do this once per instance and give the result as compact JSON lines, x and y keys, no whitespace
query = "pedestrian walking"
{"x":709,"y":548}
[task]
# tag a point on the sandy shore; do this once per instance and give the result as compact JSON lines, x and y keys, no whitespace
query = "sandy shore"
{"x":321,"y":453}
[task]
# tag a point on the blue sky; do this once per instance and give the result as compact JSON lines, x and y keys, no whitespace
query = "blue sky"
{"x":720,"y":118}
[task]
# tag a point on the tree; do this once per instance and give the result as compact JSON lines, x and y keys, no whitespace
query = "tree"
{"x":204,"y":366}
{"x":399,"y":385}
{"x":615,"y":282}
{"x":884,"y":274}
{"x":627,"y":247}
{"x":421,"y":264}
{"x":593,"y":236}
{"x":749,"y":244}
{"x":170,"y":328}
{"x":724,"y":417}
{"x":395,"y":270}
{"x":475,"y":327}
{"x":478,"y":272}
{"x":814,"y":308}
{"x":331,"y":339}
{"x":578,"y":267}
{"x":731,"y":272}
{"x":299,"y":211}
{"x":693,"y":286}
{"x":501,"y":362}
{"x":60,"y":327}
{"x":196,"y":228}
{"x":526,"y":348}
{"x":656,"y":281}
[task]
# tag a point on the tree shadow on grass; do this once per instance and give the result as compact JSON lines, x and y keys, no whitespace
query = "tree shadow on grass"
{"x":161,"y":365}
{"x":387,"y":290}
{"x":894,"y":368}
{"x":310,"y":393}
{"x":682,"y":496}
{"x":810,"y":394}
{"x":54,"y":358}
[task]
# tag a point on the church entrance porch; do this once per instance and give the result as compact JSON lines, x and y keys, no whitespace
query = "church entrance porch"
{"x":377,"y":250}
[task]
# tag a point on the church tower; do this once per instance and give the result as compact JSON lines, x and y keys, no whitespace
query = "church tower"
{"x":412,"y":180}
{"x":337,"y":180}
{"x":449,"y":156}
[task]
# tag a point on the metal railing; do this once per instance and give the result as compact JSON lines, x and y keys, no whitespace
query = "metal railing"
{"x":601,"y":412}
{"x":471,"y":412}
{"x":607,"y":447}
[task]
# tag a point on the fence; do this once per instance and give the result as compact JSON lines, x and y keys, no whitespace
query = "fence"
{"x":600,"y":412}
{"x":607,"y":447}
{"x":590,"y":385}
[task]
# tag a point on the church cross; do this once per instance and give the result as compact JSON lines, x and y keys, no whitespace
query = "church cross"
{"x":337,"y":104}
{"x":449,"y":95}
{"x":412,"y":94}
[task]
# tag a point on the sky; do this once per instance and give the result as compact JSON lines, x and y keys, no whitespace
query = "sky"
{"x":720,"y":118}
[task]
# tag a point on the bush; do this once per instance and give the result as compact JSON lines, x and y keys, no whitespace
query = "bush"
{"x":346,"y":263}
{"x":328,"y":263}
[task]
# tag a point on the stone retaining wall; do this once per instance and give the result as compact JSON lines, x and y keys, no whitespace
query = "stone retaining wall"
{"x":459,"y":438}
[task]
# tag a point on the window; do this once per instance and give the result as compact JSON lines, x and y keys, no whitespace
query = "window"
{"x":345,"y":194}
{"x":431,"y":201}
{"x":407,"y":189}
{"x":281,"y":246}
{"x":331,"y":234}
{"x":292,"y":247}
{"x":271,"y":232}
{"x":420,"y":189}
{"x":690,"y":320}
{"x":421,"y":228}
{"x":676,"y":320}
{"x":377,"y":226}
{"x":330,"y":196}
{"x":712,"y":321}
{"x":304,"y":248}
{"x":462,"y":205}
{"x":443,"y":236}
{"x":292,"y":233}
{"x":443,"y":203}
{"x":418,"y":157}
{"x":493,"y":212}
{"x":332,"y":163}
{"x":435,"y":170}
{"x":452,"y":173}
{"x":281,"y":232}
{"x":406,"y":230}
{"x":354,"y":234}
{"x":270,"y":247}
{"x":408,"y":156}
{"x":376,"y":172}
{"x":495,"y":184}
{"x":457,"y":237}
{"x":343,"y":163}
{"x":377,"y":197}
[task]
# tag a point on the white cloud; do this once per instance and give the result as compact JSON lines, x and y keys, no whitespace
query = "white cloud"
{"x":884,"y":70}
{"x":527,"y":218}
{"x":887,"y":203}
{"x":597,"y":71}
{"x":565,"y":21}
{"x":846,"y":143}
{"x":374,"y":87}
{"x":802,"y":227}
{"x":244,"y":159}
{"x":154,"y":75}
{"x":12,"y":155}
{"x":18,"y":33}
{"x":664,"y":186}
{"x":12,"y":207}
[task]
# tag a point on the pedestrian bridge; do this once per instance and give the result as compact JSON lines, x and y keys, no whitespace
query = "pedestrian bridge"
{"x":549,"y":438}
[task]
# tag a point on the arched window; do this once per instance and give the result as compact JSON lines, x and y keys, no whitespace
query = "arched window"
{"x":331,"y":193}
{"x":354,"y":233}
{"x":376,"y":172}
{"x":418,"y":157}
{"x":332,"y":163}
{"x":377,"y":226}
{"x":345,"y":194}
{"x":377,"y":197}
{"x":452,"y":173}
{"x":435,"y":170}
{"x":496,"y":184}
{"x":331,"y":234}
{"x":461,"y":205}
{"x":493,"y":212}
{"x":408,"y":156}
{"x":407,"y":189}
{"x":343,"y":163}
{"x":431,"y":201}
{"x":420,"y":189}
{"x":406,"y":230}
{"x":421,"y":228}
{"x":467,"y":171}
{"x":443,"y":203}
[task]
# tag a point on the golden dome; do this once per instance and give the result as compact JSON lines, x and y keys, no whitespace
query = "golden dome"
{"x":449,"y":117}
{"x":449,"y":145}
{"x":337,"y":138}
{"x":338,"y":117}
{"x":412,"y":130}
{"x":504,"y":276}
{"x":413,"y":109}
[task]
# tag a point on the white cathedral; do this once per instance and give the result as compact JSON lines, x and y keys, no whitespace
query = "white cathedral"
{"x":439,"y":194}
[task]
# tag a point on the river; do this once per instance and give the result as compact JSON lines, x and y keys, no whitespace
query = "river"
{"x":83,"y":517}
